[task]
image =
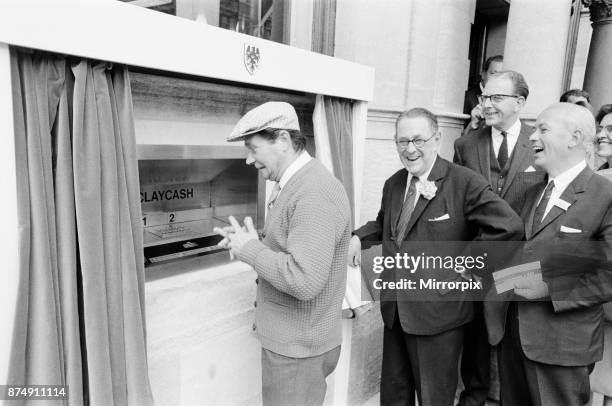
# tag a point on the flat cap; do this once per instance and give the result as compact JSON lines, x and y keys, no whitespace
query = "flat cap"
{"x":279,"y":115}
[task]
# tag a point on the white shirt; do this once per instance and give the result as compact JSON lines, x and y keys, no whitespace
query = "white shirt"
{"x":422,"y":178}
{"x":292,"y":169}
{"x":561,"y":183}
{"x":512,"y":135}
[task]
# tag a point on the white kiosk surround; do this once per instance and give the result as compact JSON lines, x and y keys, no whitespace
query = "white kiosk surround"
{"x":201,"y":350}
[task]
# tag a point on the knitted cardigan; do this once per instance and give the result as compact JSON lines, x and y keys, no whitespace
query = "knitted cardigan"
{"x":301,"y":263}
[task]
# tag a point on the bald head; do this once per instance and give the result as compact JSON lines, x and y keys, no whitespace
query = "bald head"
{"x":563,"y":131}
{"x":576,"y":118}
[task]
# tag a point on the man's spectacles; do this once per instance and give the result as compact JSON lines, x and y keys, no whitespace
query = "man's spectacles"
{"x":495,"y":98}
{"x":418,"y":142}
{"x":606,"y":128}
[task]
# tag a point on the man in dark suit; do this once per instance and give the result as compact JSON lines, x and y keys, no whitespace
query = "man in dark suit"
{"x":502,"y":154}
{"x":551,"y":333}
{"x":428,"y":201}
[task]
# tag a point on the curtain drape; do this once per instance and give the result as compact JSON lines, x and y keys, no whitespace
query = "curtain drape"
{"x":81,"y":320}
{"x":339,"y":116}
{"x":333,"y":129}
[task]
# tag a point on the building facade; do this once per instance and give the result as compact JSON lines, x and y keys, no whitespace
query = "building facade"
{"x":424,"y":53}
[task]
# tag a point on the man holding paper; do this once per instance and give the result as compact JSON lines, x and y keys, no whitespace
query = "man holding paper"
{"x":551,"y":334}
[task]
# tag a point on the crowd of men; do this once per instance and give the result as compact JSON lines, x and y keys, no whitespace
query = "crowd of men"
{"x":509,"y":182}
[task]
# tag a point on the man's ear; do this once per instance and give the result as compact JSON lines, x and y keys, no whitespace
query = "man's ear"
{"x":284,"y":137}
{"x":576,"y":138}
{"x":521,"y":102}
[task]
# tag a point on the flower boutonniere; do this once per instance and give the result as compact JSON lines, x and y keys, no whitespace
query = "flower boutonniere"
{"x":427,"y":189}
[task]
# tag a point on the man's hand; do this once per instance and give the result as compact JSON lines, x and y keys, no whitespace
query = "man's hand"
{"x":476,"y":116}
{"x":241,"y":235}
{"x":235,"y":236}
{"x":354,"y":251}
{"x":531,"y":288}
{"x":224,"y":232}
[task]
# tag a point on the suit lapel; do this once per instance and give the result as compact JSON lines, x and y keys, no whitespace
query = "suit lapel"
{"x":438,"y":171}
{"x":570,"y":195}
{"x":520,"y":158}
{"x":484,"y":152}
{"x":398,"y":191}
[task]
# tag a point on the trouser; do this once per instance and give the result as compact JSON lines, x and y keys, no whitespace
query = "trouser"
{"x":425,"y":365}
{"x":475,"y":361}
{"x":524,"y":382}
{"x":288,"y":381}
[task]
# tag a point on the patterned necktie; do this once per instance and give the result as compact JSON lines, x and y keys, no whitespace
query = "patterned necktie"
{"x":541,"y":209}
{"x":407,"y":209}
{"x":275,"y":191}
{"x":502,"y":155}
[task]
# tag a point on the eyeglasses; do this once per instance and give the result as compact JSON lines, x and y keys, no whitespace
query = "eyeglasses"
{"x":418,"y":142}
{"x":606,"y":128}
{"x":495,"y":98}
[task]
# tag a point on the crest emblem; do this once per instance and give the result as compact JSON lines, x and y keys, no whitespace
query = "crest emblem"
{"x":252,"y":57}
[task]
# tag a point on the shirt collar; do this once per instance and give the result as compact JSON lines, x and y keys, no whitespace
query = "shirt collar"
{"x":295,"y":166}
{"x":514,"y":130}
{"x":424,"y":176}
{"x":567,"y":177}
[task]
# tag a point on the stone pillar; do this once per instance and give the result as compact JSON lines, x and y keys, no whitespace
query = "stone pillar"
{"x":599,"y":63}
{"x":536,"y":39}
{"x":438,"y":65}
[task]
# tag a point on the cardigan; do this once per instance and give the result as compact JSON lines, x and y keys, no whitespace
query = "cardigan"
{"x":301,"y":263}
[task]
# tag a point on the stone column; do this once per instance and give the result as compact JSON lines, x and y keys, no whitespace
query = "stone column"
{"x":419,"y":49}
{"x":438,"y":65}
{"x":536,"y":39}
{"x":599,"y":63}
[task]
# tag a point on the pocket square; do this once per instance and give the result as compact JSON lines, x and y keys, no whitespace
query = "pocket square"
{"x":569,"y":230}
{"x":530,"y":169}
{"x":443,"y":217}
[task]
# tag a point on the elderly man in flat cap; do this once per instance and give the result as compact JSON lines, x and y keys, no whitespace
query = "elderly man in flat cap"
{"x":300,"y":259}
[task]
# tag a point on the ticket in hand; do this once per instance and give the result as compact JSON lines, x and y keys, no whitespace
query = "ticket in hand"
{"x":507,"y":278}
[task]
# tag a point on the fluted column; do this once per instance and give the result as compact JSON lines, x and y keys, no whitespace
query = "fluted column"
{"x":536,"y":39}
{"x":597,"y":79}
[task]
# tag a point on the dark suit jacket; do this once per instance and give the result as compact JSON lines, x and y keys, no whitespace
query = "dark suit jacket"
{"x":473,"y":150}
{"x":474,"y":213}
{"x":566,"y":329}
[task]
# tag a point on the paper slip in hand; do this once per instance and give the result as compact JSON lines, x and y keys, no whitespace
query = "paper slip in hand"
{"x":507,"y":278}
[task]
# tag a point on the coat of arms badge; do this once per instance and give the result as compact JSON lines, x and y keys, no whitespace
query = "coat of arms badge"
{"x":252,"y":57}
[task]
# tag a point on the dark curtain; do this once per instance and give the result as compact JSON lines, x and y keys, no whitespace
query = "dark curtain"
{"x":81,"y":316}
